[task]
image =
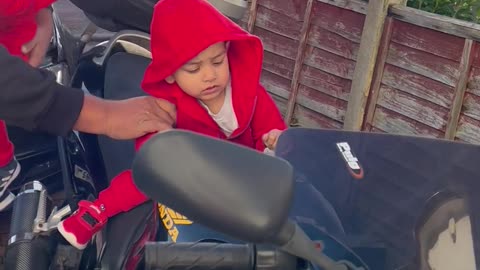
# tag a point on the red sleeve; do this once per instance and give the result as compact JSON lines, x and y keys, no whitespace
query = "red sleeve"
{"x":39,"y":4}
{"x":10,"y":8}
{"x":267,"y":117}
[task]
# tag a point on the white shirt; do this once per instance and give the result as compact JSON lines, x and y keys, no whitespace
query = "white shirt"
{"x":225,"y":118}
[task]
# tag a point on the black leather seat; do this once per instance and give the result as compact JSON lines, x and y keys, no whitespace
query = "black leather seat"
{"x":123,"y":76}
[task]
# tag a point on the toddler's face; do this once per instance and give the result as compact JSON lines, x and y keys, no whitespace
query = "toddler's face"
{"x":206,"y":76}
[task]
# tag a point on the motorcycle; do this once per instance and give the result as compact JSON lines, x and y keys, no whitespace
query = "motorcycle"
{"x":355,"y":222}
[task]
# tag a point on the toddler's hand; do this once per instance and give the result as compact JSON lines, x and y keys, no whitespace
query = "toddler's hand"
{"x":270,"y":138}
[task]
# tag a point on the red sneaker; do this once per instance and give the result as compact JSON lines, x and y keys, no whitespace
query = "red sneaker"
{"x":79,"y":228}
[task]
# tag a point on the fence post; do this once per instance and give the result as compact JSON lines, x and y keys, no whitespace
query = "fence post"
{"x":456,"y":109}
{"x":362,"y":77}
{"x":378,"y":75}
{"x":252,"y":16}
{"x":292,"y":99}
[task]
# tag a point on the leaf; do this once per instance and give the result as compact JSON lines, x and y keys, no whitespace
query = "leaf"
{"x":468,"y":10}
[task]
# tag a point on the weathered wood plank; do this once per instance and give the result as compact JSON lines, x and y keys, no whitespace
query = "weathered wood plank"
{"x":280,"y":102}
{"x":427,"y":40}
{"x":460,"y":89}
{"x":292,"y":8}
{"x":363,"y":73}
{"x":378,"y":73}
{"x":331,"y":107}
{"x":252,"y":15}
{"x":476,"y":55}
{"x":468,"y":130}
{"x":326,"y":83}
{"x":418,"y":85}
{"x":329,"y":62}
{"x":292,"y":100}
{"x":436,"y":22}
{"x":275,"y":84}
{"x":277,"y":44}
{"x":278,"y":64}
{"x":377,"y":130}
{"x":332,"y":42}
{"x":277,"y":23}
{"x":428,"y":65}
{"x":471,"y":106}
{"x":418,"y":109}
{"x":346,"y":23}
{"x":307,"y":118}
{"x":473,"y":85}
{"x":392,"y":122}
{"x":353,"y":5}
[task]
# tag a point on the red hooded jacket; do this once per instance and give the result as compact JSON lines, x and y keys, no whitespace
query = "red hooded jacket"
{"x":18,"y":23}
{"x":180,"y":30}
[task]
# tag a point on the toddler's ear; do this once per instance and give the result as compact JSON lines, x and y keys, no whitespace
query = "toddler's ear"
{"x":170,"y":79}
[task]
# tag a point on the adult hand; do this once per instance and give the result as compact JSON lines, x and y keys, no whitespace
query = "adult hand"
{"x":38,"y":46}
{"x":135,"y":117}
{"x":125,"y":119}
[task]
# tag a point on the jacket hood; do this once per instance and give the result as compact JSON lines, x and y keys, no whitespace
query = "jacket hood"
{"x":181,"y":29}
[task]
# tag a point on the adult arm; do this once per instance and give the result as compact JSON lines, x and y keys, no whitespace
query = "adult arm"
{"x":31,"y":99}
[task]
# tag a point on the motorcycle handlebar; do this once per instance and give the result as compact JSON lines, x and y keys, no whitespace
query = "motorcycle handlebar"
{"x":199,"y":255}
{"x":215,"y":256}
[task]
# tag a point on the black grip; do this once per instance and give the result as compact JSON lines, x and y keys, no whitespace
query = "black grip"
{"x":198,"y":256}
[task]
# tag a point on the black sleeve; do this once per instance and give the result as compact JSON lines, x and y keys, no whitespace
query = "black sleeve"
{"x":116,"y":15}
{"x":31,"y":99}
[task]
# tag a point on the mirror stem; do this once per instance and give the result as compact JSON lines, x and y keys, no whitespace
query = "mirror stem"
{"x":300,"y":245}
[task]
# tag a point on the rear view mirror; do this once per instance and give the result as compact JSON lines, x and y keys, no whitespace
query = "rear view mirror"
{"x":229,"y":188}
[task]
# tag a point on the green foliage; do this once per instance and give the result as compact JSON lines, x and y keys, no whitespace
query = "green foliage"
{"x":468,"y":10}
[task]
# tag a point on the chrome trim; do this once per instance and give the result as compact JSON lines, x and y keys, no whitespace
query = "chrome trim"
{"x":39,"y":221}
{"x":57,"y":216}
{"x":20,"y":237}
{"x":120,"y":37}
{"x":36,"y":187}
{"x":234,"y":9}
{"x":60,"y":71}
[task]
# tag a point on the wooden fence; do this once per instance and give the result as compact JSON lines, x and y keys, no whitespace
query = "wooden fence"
{"x":378,"y":66}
